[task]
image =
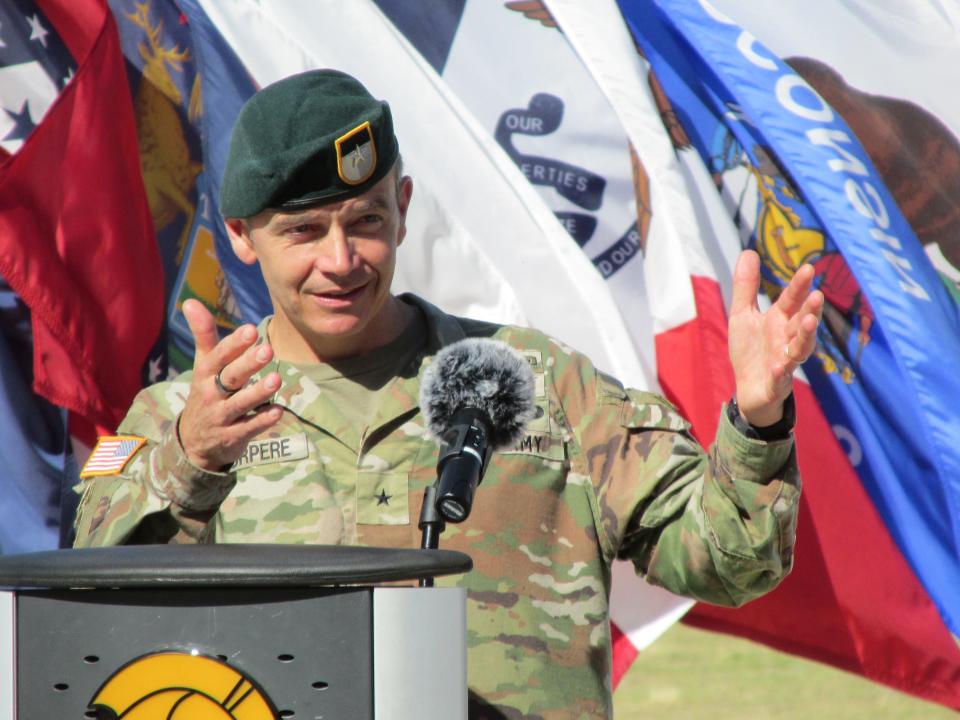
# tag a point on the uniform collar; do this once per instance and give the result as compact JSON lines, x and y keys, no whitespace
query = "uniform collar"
{"x":442,"y":329}
{"x":304,"y":398}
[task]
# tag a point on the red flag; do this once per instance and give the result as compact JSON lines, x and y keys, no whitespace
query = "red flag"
{"x":851,"y":601}
{"x":692,"y":363}
{"x":76,"y":239}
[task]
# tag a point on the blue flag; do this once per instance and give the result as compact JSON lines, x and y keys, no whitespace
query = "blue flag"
{"x":39,"y":470}
{"x":35,"y":453}
{"x":226,"y":86}
{"x":884,"y":372}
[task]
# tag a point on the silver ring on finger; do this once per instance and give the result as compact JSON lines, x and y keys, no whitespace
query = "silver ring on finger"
{"x":227,"y":392}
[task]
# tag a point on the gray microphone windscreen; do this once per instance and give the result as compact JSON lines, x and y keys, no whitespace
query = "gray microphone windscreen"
{"x":481,"y":373}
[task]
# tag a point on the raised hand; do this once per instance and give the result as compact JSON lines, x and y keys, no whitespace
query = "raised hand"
{"x":223,"y":412}
{"x":766,"y":347}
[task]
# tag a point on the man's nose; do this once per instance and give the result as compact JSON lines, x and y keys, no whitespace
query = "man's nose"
{"x":337,"y":254}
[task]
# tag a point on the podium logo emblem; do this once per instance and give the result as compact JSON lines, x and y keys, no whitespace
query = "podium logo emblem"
{"x":182,"y":686}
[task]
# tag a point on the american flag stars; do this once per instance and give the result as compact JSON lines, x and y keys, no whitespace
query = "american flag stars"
{"x":38,"y":32}
{"x":35,"y":66}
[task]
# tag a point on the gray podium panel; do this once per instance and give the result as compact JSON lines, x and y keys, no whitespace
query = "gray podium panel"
{"x":72,"y":642}
{"x":420,"y":658}
{"x":7,"y":639}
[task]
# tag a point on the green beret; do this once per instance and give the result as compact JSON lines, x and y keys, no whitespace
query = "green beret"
{"x":308,"y":139}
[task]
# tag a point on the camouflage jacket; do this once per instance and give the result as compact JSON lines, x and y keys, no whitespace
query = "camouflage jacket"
{"x":602,"y":473}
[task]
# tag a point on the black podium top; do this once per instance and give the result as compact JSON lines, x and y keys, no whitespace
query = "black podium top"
{"x":142,"y":566}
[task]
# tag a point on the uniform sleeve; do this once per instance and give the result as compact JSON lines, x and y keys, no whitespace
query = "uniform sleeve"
{"x":718,"y":526}
{"x":159,"y":496}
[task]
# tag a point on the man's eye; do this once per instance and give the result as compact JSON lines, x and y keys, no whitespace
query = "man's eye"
{"x":299,"y":229}
{"x":370,"y":219}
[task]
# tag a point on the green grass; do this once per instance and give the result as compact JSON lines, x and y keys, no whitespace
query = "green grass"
{"x":691,"y":674}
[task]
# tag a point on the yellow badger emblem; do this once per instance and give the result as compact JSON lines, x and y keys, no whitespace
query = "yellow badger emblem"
{"x":182,"y":686}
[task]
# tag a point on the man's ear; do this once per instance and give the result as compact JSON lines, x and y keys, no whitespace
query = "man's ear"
{"x":238,"y":230}
{"x":404,"y":193}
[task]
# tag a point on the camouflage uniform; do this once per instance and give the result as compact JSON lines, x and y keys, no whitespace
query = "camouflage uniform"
{"x":602,"y":473}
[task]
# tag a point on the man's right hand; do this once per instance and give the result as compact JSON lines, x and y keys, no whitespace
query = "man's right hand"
{"x":215,"y":426}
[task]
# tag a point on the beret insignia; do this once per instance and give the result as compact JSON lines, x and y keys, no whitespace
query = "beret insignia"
{"x":356,"y":154}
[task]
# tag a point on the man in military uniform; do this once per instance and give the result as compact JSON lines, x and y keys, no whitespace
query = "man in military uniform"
{"x":306,"y":429}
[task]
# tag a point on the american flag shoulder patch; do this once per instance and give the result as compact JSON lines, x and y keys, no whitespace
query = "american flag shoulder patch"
{"x":111,"y":454}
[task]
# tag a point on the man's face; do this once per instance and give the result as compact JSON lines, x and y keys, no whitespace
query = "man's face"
{"x":329,"y":269}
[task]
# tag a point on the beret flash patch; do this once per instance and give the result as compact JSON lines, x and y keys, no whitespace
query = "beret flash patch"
{"x":356,"y":154}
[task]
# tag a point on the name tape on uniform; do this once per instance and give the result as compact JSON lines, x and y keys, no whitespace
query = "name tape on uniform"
{"x":545,"y":445}
{"x":273,"y":450}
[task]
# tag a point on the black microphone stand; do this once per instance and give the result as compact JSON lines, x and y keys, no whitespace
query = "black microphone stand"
{"x":464,"y":454}
{"x":431,"y":526}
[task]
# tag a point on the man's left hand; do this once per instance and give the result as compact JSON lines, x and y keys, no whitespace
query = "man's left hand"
{"x":766,"y":347}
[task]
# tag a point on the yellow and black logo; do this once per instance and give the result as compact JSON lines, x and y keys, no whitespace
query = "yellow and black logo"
{"x":182,"y":686}
{"x":356,"y":154}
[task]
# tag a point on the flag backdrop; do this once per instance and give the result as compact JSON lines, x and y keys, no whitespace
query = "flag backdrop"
{"x":802,"y":189}
{"x":76,"y":242}
{"x":590,"y":169}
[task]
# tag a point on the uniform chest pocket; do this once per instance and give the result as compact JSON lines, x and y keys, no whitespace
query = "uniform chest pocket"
{"x":383,"y":498}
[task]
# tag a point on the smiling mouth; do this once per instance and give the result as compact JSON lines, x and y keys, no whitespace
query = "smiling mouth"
{"x":338,"y":295}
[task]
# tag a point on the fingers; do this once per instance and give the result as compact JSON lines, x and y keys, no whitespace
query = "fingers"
{"x":746,"y":282}
{"x":224,"y":353}
{"x":213,"y":354}
{"x":802,"y":331}
{"x":214,"y":444}
{"x":238,"y":370}
{"x":202,"y":327}
{"x":214,"y":429}
{"x":250,"y":398}
{"x":788,"y":330}
{"x":242,"y":397}
{"x":224,"y":409}
{"x":793,"y":296}
{"x":803,"y":309}
{"x":804,"y":342}
{"x":247,"y":427}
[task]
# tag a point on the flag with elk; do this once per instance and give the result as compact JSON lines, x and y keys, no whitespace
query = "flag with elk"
{"x":166,"y":91}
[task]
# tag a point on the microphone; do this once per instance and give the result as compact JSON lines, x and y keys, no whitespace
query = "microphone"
{"x":476,"y":397}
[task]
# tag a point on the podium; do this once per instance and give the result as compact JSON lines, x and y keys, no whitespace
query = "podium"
{"x":244,"y":632}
